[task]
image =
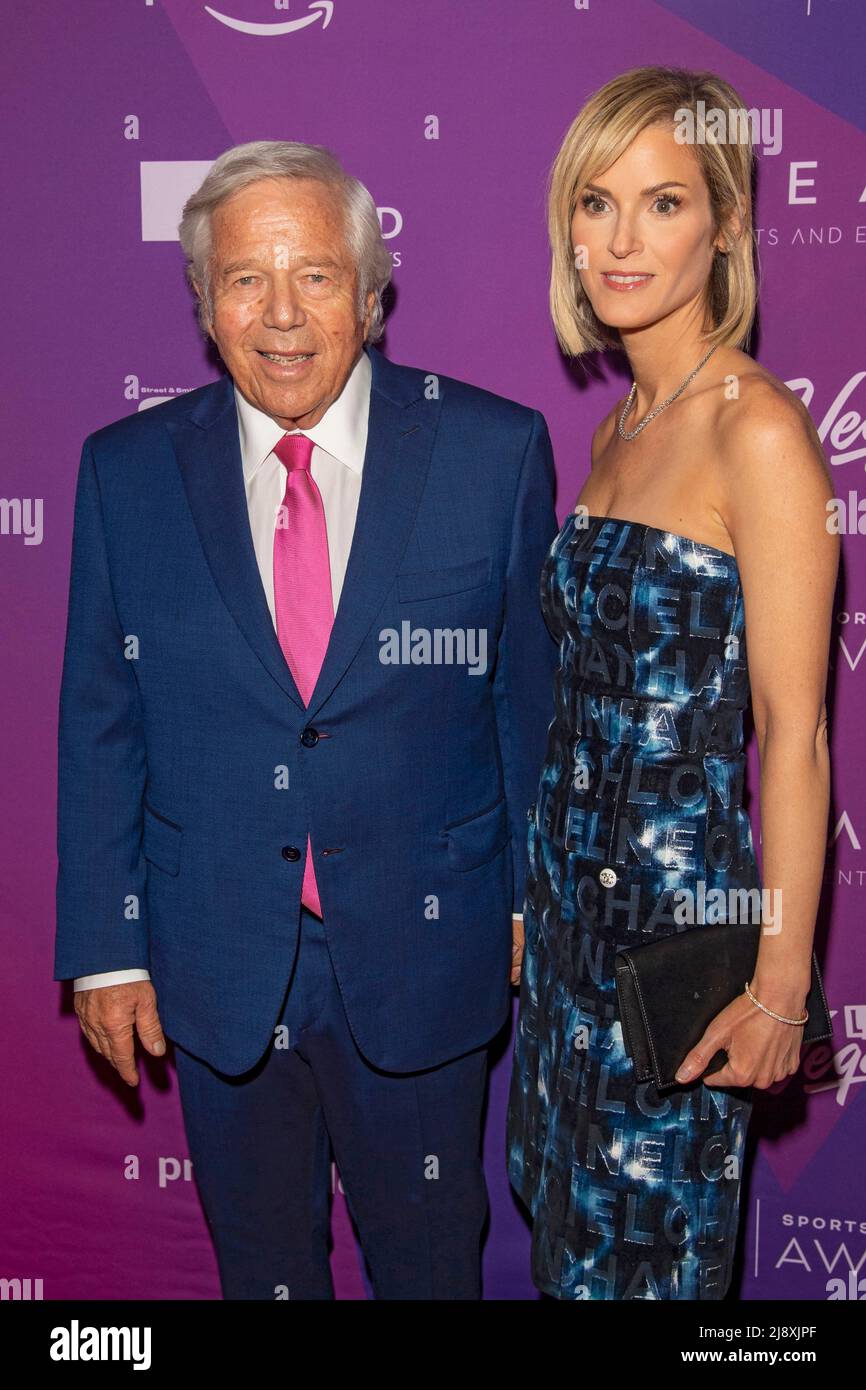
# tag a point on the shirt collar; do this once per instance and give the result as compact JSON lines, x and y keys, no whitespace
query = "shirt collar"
{"x":341,"y":432}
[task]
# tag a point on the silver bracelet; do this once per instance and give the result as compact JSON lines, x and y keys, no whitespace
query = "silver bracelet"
{"x":778,"y":1017}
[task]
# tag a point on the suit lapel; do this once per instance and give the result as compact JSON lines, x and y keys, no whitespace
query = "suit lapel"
{"x":400,"y":433}
{"x":207,"y":445}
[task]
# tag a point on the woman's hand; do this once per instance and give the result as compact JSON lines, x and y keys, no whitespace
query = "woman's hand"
{"x":761,"y":1051}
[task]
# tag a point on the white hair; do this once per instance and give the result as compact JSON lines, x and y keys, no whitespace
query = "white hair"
{"x":259,"y":159}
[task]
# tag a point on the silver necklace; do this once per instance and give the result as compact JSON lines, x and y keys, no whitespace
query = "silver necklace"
{"x":630,"y":434}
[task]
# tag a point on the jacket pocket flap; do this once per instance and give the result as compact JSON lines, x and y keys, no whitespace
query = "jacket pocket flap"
{"x":161,"y":840}
{"x":434,"y":583}
{"x":474,"y":841}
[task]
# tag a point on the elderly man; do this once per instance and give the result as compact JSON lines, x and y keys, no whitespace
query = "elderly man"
{"x":305,"y":694}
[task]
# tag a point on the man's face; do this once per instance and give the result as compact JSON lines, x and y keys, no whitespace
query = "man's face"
{"x":284,"y":283}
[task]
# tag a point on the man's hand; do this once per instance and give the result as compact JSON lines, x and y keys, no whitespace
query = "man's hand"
{"x":110,"y":1017}
{"x":516,"y":949}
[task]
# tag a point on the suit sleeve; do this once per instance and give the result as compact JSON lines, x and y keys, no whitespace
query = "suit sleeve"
{"x":101,"y":766}
{"x":527,"y":653}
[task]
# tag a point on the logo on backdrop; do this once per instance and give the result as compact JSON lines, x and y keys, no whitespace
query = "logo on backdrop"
{"x":828,"y":1247}
{"x":854,"y":654}
{"x":840,"y":1069}
{"x":843,"y":428}
{"x":319,"y":9}
{"x":146,"y":396}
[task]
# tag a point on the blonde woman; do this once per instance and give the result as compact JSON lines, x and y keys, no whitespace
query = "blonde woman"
{"x":702,"y":520}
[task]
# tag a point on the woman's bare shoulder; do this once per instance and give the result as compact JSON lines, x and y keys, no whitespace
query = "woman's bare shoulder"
{"x":769,"y":462}
{"x":745,"y":393}
{"x":759,"y":421}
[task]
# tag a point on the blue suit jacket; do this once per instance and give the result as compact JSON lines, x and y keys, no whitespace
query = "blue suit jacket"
{"x":190,"y":771}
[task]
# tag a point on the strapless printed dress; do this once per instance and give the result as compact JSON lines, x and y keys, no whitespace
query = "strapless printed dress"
{"x":633,"y":1193}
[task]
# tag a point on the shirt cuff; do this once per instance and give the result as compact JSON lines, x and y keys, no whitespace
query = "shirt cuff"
{"x":108,"y":977}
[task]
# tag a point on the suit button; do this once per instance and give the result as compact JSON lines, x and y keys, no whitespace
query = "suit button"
{"x":607,"y":878}
{"x":290,"y":852}
{"x":309,"y":738}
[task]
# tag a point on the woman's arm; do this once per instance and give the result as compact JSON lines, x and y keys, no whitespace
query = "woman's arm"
{"x":774,"y":484}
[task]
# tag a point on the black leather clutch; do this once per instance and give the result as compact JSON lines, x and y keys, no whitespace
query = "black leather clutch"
{"x":669,"y":990}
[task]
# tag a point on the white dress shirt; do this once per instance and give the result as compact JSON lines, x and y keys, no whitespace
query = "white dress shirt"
{"x":337,"y":462}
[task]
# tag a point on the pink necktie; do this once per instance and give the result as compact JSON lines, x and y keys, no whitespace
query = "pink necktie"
{"x":302,"y":590}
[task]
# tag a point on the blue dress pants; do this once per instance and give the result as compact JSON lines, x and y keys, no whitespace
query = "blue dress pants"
{"x":407,"y":1146}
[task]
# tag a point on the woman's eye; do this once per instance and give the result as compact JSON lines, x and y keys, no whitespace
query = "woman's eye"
{"x":317,"y":276}
{"x":245,"y":277}
{"x":665,"y":203}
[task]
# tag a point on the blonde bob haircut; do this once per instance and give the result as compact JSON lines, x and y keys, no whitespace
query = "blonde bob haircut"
{"x":608,"y":122}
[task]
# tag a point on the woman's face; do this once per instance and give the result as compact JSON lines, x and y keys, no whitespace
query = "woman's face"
{"x":647,"y":216}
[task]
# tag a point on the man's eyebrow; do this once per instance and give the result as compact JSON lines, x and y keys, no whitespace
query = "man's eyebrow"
{"x":250,"y":262}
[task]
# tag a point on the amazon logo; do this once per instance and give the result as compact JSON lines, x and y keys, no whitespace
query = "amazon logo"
{"x":318,"y":9}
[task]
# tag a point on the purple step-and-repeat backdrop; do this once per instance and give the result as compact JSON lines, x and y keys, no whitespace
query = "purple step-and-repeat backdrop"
{"x":450,"y":111}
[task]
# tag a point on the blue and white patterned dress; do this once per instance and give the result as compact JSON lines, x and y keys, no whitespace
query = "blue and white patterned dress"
{"x":634,"y":1193}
